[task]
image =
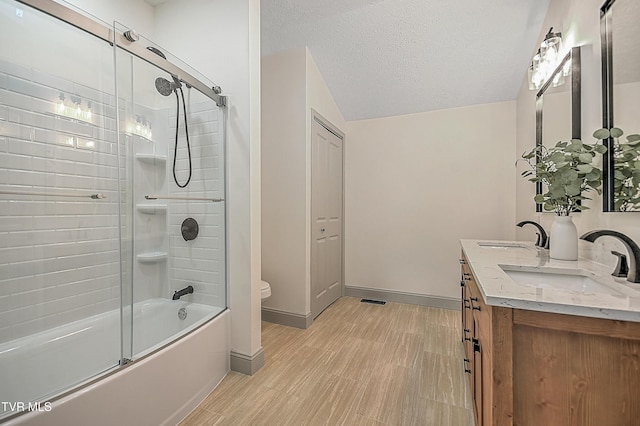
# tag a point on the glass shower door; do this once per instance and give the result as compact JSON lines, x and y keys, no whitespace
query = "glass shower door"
{"x":174,"y":137}
{"x":59,"y":211}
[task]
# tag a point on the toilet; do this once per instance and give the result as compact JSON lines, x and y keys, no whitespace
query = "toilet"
{"x":265,"y":290}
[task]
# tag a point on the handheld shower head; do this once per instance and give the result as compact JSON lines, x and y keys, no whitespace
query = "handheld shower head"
{"x":165,"y":87}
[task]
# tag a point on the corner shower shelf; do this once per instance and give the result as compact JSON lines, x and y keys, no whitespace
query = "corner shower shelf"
{"x":152,"y":208}
{"x":152,"y":159}
{"x":152,"y":257}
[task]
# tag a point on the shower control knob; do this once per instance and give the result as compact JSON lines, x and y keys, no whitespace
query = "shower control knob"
{"x":131,"y":35}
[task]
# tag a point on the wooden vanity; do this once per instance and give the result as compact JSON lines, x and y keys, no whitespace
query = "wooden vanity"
{"x":530,"y":367}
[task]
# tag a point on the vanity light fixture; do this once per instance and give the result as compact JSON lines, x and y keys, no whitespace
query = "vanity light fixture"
{"x":545,"y":61}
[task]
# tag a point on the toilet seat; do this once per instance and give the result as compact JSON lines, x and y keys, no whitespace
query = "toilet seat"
{"x":265,"y":290}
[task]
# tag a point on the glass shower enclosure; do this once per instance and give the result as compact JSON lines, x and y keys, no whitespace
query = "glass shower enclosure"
{"x":112,"y":188}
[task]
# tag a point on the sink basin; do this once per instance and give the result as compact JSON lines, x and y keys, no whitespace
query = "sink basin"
{"x":500,"y":245}
{"x":570,"y":280}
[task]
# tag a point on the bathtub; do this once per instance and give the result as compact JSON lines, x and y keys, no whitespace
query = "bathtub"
{"x":167,"y":380}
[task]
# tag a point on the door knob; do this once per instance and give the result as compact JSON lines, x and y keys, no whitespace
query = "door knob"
{"x":322,"y":230}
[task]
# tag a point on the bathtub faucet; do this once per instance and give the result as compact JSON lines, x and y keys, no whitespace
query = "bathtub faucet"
{"x":178,"y":294}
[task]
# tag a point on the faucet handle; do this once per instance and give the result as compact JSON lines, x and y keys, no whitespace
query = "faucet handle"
{"x":622,"y":269}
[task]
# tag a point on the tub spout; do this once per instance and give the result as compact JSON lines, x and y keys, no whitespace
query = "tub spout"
{"x":178,"y":294}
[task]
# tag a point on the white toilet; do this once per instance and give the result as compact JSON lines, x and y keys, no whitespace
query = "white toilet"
{"x":265,"y":290}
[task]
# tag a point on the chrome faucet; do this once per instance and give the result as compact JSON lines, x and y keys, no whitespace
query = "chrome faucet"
{"x":543,"y":239}
{"x":632,"y":249}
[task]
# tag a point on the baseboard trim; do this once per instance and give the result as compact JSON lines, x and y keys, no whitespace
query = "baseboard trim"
{"x":286,"y":318}
{"x":246,"y":364}
{"x":402,"y":297}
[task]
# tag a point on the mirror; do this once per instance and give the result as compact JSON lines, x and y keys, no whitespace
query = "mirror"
{"x":620,"y":33}
{"x":558,"y":111}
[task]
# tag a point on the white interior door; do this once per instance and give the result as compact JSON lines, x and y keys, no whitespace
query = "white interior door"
{"x":326,"y":217}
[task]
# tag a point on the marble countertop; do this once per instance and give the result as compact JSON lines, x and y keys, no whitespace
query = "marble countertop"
{"x":616,"y":299}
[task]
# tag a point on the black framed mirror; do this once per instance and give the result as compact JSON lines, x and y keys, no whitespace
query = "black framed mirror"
{"x":620,"y":35}
{"x":558,"y":106}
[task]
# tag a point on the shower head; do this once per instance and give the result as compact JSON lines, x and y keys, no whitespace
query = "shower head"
{"x":165,"y":87}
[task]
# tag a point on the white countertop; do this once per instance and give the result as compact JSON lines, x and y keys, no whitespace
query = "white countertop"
{"x":622,"y":302}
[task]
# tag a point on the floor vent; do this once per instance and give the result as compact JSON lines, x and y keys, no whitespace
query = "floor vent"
{"x":373,"y":302}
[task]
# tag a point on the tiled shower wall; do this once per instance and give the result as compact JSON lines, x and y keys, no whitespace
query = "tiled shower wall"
{"x":59,"y":256}
{"x":199,"y":262}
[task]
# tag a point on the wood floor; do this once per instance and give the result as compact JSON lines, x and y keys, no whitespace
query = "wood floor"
{"x":358,"y":364}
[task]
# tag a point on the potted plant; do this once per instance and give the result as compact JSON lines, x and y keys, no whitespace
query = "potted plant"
{"x":567,"y":172}
{"x":626,"y":169}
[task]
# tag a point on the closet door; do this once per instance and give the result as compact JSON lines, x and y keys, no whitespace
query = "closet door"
{"x":326,"y":217}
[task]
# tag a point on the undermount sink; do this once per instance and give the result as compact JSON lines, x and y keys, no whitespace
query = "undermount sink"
{"x":500,"y":245}
{"x":570,"y":280}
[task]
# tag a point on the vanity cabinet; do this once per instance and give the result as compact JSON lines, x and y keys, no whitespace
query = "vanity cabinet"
{"x":528,"y":367}
{"x":487,"y":356}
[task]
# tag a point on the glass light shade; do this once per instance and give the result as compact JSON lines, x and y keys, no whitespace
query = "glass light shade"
{"x":531,"y":76}
{"x":551,"y":42}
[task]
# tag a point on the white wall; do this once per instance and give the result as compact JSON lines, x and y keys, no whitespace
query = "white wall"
{"x":416,"y":184}
{"x":284,"y":152}
{"x":579,"y":22}
{"x":292,"y":87}
{"x":135,"y":14}
{"x":220,"y":38}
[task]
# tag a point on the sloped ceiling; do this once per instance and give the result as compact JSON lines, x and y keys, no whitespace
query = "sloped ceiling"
{"x":391,"y":57}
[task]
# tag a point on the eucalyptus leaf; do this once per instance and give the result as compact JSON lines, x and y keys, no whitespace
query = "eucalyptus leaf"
{"x":584,"y":168}
{"x":601,"y":134}
{"x":600,"y":149}
{"x":557,"y":157}
{"x":616,"y":133}
{"x":585,"y":158}
{"x":573,"y":190}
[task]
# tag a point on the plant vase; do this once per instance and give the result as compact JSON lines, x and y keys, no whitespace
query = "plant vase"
{"x":563,"y":243}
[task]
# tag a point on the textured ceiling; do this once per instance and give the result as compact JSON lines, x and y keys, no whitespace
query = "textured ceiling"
{"x":391,"y":57}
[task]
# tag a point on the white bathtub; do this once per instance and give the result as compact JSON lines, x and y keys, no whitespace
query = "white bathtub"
{"x":160,"y":388}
